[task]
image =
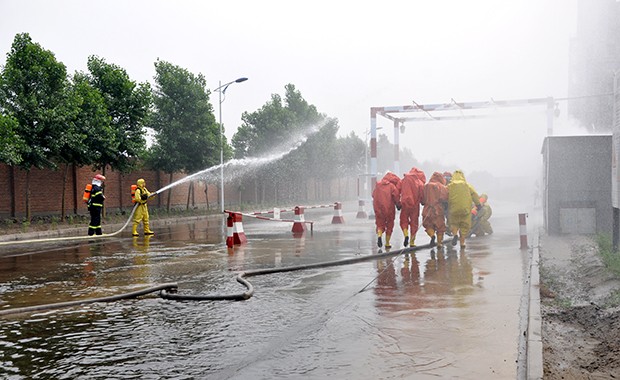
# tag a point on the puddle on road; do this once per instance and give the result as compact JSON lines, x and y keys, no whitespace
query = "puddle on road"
{"x":426,"y":312}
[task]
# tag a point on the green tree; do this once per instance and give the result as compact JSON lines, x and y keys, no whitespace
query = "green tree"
{"x":270,"y":129}
{"x":128,"y":105}
{"x":90,"y":136}
{"x":34,"y":93}
{"x":11,"y":144}
{"x":350,"y":157}
{"x":187,"y":136}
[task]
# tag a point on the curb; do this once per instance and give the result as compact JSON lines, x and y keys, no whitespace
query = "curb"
{"x":534,"y":325}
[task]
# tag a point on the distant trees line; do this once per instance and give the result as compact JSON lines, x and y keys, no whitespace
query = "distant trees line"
{"x":100,"y":118}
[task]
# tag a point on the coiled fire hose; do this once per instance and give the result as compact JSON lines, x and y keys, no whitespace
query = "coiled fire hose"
{"x":169,"y":291}
{"x":241,"y":277}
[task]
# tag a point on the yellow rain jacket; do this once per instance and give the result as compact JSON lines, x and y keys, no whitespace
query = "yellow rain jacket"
{"x":460,"y":197}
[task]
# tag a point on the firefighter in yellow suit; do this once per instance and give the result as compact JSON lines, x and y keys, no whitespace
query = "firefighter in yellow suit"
{"x":460,"y":197}
{"x":141,"y":197}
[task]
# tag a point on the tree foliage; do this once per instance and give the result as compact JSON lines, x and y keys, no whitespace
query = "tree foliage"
{"x":11,"y":143}
{"x":128,"y":105}
{"x":94,"y":136}
{"x":34,"y":94}
{"x":187,"y":136}
{"x":270,"y":130}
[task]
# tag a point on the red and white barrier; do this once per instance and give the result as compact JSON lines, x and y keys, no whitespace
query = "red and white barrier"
{"x":523,"y":231}
{"x":338,"y":218}
{"x":361,"y":211}
{"x":299,"y":225}
{"x":235,"y":233}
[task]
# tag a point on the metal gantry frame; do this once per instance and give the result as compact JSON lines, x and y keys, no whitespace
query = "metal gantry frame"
{"x":397,"y":115}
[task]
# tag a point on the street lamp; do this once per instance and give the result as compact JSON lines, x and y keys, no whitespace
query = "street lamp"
{"x":222,"y":90}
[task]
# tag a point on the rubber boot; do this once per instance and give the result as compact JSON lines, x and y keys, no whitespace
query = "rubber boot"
{"x":462,"y":241}
{"x":147,"y":230}
{"x":379,"y":242}
{"x":134,"y":230}
{"x":432,"y":243}
{"x":412,"y":242}
{"x":455,"y":237}
{"x":439,"y":239}
{"x":387,"y":241}
{"x":406,"y":233}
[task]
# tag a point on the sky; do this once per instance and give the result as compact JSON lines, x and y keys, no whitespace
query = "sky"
{"x":344,"y":57}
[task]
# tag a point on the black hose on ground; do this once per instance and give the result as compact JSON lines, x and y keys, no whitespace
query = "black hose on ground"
{"x":137,"y":293}
{"x":170,"y":290}
{"x":258,"y":272}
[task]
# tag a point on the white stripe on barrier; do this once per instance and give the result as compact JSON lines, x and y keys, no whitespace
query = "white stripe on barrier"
{"x":274,"y":219}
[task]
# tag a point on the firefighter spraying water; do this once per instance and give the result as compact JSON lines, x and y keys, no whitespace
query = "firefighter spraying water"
{"x":141,"y":197}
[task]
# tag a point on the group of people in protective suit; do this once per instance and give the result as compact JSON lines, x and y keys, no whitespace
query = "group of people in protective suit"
{"x":450,"y":203}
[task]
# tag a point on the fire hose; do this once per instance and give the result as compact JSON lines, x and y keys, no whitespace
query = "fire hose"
{"x":241,"y":277}
{"x":71,"y":238}
{"x":169,"y":291}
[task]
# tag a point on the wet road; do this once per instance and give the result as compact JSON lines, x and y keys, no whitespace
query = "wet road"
{"x":427,"y":314}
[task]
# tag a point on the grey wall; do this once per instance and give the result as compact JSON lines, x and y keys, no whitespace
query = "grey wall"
{"x":577,"y":184}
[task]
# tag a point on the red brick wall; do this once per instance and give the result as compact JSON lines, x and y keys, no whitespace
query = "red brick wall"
{"x":46,"y":190}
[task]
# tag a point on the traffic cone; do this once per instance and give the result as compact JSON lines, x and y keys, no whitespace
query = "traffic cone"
{"x":299,"y":227}
{"x":361,"y":212}
{"x":338,"y":218}
{"x":235,"y":234}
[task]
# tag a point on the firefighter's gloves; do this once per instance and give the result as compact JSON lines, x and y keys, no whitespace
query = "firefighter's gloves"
{"x":144,"y":197}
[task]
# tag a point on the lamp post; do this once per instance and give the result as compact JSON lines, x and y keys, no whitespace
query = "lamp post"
{"x":222,"y":90}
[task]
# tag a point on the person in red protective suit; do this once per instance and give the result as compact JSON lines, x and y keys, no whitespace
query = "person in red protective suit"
{"x":411,"y":194}
{"x":460,"y":197}
{"x":435,"y":199}
{"x":385,"y":199}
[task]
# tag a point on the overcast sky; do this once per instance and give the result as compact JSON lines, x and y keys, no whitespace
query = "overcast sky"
{"x":343,"y":56}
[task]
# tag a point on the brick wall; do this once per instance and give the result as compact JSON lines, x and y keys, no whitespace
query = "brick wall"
{"x":46,"y":187}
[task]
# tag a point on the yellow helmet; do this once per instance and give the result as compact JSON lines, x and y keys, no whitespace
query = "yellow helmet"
{"x":141,"y":182}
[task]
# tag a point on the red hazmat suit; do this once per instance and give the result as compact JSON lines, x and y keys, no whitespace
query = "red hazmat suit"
{"x":411,"y":195}
{"x":435,"y":195}
{"x":385,"y":199}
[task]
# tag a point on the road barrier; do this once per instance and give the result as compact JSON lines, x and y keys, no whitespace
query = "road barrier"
{"x":523,"y":231}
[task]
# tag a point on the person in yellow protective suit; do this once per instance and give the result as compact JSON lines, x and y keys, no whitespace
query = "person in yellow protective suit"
{"x":141,"y":197}
{"x":481,"y":220}
{"x":460,"y":197}
{"x":411,"y":194}
{"x":385,"y":198}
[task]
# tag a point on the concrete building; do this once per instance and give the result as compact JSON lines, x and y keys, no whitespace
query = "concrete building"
{"x":577,"y":184}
